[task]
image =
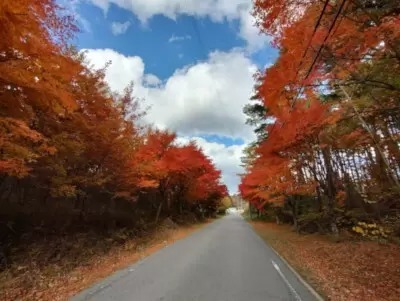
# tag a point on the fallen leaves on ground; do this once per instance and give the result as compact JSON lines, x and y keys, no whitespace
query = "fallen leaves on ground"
{"x":40,"y":273}
{"x":341,"y":271}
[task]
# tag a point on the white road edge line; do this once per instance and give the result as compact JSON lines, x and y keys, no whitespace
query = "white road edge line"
{"x":277,"y":268}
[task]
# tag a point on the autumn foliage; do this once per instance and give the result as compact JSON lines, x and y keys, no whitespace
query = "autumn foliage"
{"x":72,"y":151}
{"x":331,"y":142}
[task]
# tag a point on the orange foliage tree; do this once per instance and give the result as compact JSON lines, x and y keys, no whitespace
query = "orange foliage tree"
{"x":332,"y":100}
{"x":71,"y":144}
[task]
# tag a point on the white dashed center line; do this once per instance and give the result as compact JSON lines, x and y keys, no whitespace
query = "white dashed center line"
{"x":293,"y":291}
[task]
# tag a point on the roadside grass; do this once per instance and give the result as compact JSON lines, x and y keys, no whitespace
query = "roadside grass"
{"x":58,"y":268}
{"x":344,"y":270}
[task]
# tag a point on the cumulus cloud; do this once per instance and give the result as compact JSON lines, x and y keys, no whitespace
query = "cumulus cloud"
{"x":145,"y":9}
{"x":250,"y":32}
{"x":201,"y":99}
{"x":151,"y":80}
{"x":122,"y":70}
{"x":118,"y":28}
{"x":206,"y":98}
{"x":216,"y":10}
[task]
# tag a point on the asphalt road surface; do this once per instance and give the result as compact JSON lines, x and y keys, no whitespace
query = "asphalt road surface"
{"x":225,"y":261}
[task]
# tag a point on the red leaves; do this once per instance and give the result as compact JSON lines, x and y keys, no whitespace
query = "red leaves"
{"x":161,"y":162}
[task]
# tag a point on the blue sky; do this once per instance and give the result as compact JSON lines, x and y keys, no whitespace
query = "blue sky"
{"x":191,"y":61}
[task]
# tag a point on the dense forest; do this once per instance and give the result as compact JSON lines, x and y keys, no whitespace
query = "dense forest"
{"x":327,"y":118}
{"x":75,"y":156}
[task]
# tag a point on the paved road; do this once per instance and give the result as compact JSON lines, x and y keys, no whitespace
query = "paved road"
{"x":225,"y":261}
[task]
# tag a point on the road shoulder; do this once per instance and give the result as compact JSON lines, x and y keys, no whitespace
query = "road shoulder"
{"x":348,"y":270}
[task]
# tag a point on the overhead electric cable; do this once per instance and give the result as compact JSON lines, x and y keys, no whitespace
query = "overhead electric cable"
{"x":320,"y":48}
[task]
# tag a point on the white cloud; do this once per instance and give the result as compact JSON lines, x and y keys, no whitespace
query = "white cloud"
{"x":151,"y":80}
{"x":216,"y":10}
{"x":226,"y":158}
{"x":201,"y":99}
{"x":205,"y":98}
{"x":250,"y":32}
{"x":122,"y":70}
{"x":175,"y":38}
{"x":145,"y":9}
{"x":118,"y":28}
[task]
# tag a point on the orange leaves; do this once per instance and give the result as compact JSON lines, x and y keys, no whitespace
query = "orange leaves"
{"x":323,"y":40}
{"x":33,"y":66}
{"x":147,"y":161}
{"x":36,"y":76}
{"x":148,"y":183}
{"x":14,"y":167}
{"x":159,"y":163}
{"x":276,"y":173}
{"x":60,"y":123}
{"x":358,"y":137}
{"x":274,"y":16}
{"x":326,"y":48}
{"x":14,"y":128}
{"x":20,"y":146}
{"x":296,"y":126}
{"x":289,"y":91}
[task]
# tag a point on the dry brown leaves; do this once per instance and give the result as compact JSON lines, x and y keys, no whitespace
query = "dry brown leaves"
{"x":28,"y":280}
{"x":347,"y":270}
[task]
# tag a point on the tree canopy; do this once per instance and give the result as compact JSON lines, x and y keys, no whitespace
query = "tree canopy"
{"x":66,"y":138}
{"x":333,"y":95}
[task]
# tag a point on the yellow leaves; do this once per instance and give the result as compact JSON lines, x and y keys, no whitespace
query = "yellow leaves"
{"x":370,"y":230}
{"x":226,"y":202}
{"x":358,"y":230}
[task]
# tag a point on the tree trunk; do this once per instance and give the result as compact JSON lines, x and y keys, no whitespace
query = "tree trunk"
{"x":158,"y":212}
{"x":374,"y":138}
{"x":250,"y":211}
{"x":331,"y":189}
{"x":295,"y":211}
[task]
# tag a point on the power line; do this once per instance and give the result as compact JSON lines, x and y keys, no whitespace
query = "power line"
{"x":307,"y":47}
{"x":312,"y":36}
{"x":199,"y":38}
{"x":320,"y":48}
{"x":326,"y":38}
